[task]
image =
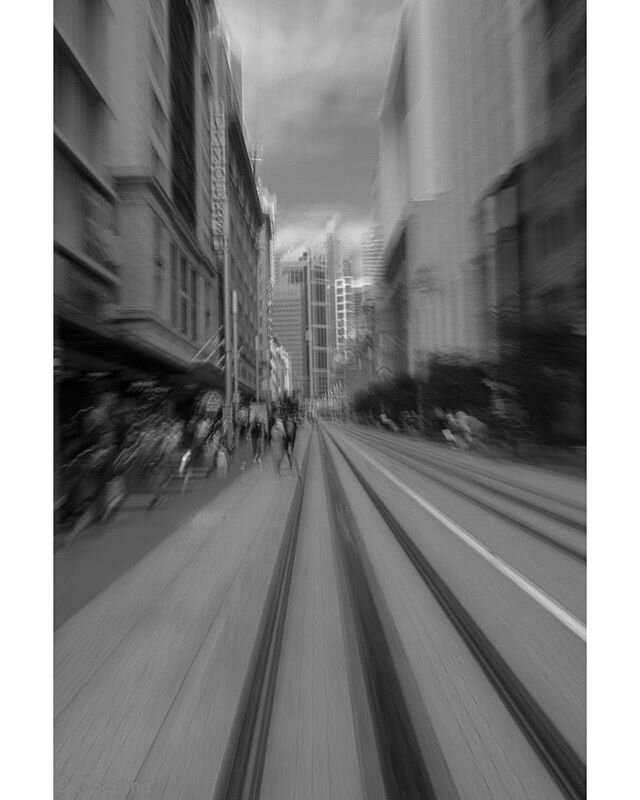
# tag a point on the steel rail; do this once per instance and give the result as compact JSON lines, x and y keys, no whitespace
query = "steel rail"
{"x":556,"y":753}
{"x":531,"y":530}
{"x":243,"y":764}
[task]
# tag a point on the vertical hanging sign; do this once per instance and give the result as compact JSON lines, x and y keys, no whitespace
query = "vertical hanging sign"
{"x":218,"y":181}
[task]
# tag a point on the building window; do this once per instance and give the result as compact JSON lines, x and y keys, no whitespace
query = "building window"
{"x":321,"y":337}
{"x":320,"y":359}
{"x":184,"y":297}
{"x":182,"y":89}
{"x":194,"y":306}
{"x":174,"y":285}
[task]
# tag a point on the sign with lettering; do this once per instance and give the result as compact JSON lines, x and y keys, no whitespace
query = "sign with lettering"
{"x":269,"y":309}
{"x":218,"y":141}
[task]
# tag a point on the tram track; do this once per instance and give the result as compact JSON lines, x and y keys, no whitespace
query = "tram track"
{"x":243,"y":764}
{"x":405,"y":770}
{"x":526,"y":496}
{"x":552,"y":748}
{"x":409,"y":768}
{"x":417,"y":465}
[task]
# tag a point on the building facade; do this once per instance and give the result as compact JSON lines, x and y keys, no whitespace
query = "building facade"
{"x":266,"y":275}
{"x":87,"y":257}
{"x":373,"y":256}
{"x":245,"y":222}
{"x":344,"y":312}
{"x":320,"y":331}
{"x":532,"y":218}
{"x":447,"y":128}
{"x":289,"y":317}
{"x":154,"y":188}
{"x":164,"y":78}
{"x":280,"y":372}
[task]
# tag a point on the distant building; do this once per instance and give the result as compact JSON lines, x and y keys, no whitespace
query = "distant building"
{"x":320,"y":331}
{"x":345,"y":321}
{"x":280,"y":383}
{"x":266,"y":270}
{"x":289,"y":329}
{"x":333,"y":249}
{"x":291,"y":271}
{"x":373,"y":256}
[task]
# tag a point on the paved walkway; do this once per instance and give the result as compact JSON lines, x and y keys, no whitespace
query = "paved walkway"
{"x":148,"y":673}
{"x":102,"y":553}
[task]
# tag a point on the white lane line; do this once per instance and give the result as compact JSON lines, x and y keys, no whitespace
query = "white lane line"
{"x":559,"y":612}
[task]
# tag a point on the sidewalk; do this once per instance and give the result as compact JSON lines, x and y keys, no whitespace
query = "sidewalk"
{"x":149,"y":673}
{"x":102,"y":553}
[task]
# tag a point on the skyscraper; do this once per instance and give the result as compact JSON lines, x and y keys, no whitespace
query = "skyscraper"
{"x":344,"y":311}
{"x":372,"y":256}
{"x":321,"y":328}
{"x":289,"y":328}
{"x":448,"y":128}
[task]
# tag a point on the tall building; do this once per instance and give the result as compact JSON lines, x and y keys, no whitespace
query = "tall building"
{"x":87,"y":257}
{"x":345,"y":311}
{"x":321,"y":324}
{"x":289,"y":302}
{"x":280,"y":372}
{"x":333,"y":249}
{"x":149,"y":149}
{"x":372,"y":256}
{"x":531,"y":219}
{"x":333,"y":260}
{"x":266,"y":270}
{"x":533,"y":216}
{"x":447,"y":127}
{"x":291,"y":271}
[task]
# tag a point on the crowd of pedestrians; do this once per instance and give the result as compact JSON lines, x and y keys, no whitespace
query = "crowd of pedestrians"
{"x":279,"y":433}
{"x":115,"y":450}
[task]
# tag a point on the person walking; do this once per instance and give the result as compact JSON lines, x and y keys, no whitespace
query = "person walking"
{"x":186,"y":463}
{"x":291,"y":430}
{"x":257,"y":439}
{"x":278,"y":443}
{"x":171,"y":437}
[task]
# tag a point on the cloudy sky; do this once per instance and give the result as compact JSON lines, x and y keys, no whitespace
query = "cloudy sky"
{"x":314,"y":72}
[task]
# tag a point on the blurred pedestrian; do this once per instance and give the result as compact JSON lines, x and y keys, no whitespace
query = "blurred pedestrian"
{"x":185,"y":468}
{"x":463,"y":429}
{"x":278,"y":443}
{"x":257,"y":434}
{"x":171,"y":440}
{"x":291,"y":431}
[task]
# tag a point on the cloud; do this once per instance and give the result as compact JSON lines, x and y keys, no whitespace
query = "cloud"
{"x":313,"y":74}
{"x":307,"y":228}
{"x":312,"y":70}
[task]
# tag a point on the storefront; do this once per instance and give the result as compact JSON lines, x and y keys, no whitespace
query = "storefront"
{"x":96,"y":368}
